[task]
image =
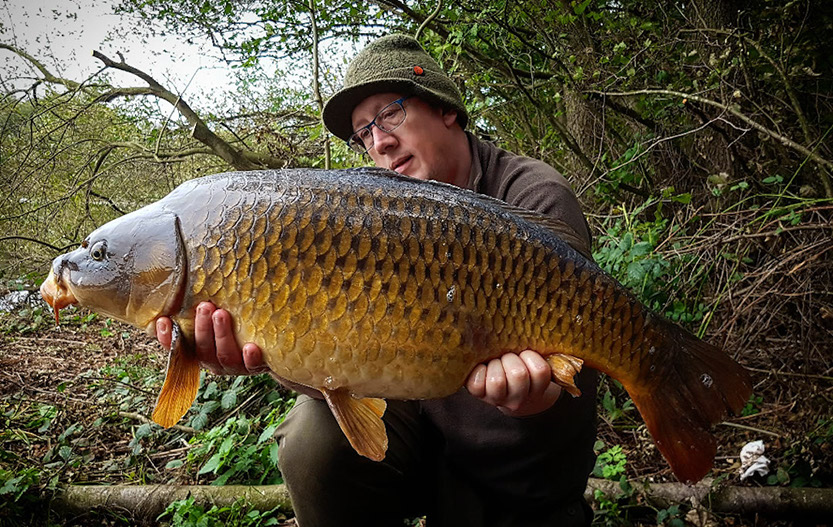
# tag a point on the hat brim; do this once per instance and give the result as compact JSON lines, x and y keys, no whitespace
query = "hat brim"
{"x":338,"y":111}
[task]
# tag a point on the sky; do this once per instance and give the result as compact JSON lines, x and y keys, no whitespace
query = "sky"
{"x":63,"y":34}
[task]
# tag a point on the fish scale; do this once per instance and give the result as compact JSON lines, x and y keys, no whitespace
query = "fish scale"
{"x":364,"y":284}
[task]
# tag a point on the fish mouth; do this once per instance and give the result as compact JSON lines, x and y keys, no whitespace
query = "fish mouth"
{"x":56,"y":294}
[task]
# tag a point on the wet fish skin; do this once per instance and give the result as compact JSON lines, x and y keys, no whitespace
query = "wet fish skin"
{"x":375,"y":285}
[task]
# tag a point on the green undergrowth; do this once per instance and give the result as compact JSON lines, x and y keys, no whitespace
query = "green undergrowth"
{"x":634,"y":248}
{"x":88,"y":429}
{"x":187,"y":513}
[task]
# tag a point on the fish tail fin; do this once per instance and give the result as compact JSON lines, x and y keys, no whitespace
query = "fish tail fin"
{"x":182,"y":380}
{"x":694,"y":390}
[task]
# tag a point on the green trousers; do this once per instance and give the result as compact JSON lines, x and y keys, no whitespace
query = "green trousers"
{"x":331,"y":485}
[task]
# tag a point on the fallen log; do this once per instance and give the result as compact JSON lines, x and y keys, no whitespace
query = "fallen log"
{"x":771,"y":502}
{"x":149,"y":501}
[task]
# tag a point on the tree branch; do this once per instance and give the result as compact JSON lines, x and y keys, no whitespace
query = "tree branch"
{"x":786,"y":141}
{"x":199,"y":130}
{"x":40,"y":242}
{"x":316,"y":88}
{"x":47,"y":75}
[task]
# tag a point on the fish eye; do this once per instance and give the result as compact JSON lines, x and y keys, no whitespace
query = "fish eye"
{"x":98,"y":251}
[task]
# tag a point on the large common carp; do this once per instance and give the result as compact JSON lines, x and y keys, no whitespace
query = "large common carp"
{"x":368,"y":285}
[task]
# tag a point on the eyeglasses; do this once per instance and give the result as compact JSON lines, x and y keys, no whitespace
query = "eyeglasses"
{"x":387,"y":120}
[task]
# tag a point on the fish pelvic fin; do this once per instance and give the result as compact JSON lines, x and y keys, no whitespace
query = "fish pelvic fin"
{"x":564,"y":368}
{"x":182,"y":379}
{"x":361,"y":421}
{"x":697,"y":387}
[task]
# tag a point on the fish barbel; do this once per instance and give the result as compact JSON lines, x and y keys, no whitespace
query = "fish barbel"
{"x":367,"y":285}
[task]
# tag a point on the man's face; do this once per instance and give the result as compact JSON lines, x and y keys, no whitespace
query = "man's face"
{"x":420,"y":147}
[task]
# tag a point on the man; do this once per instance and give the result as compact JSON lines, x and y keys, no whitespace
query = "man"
{"x":508,"y":449}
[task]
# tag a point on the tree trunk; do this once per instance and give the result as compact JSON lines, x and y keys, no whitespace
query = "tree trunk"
{"x":714,"y":14}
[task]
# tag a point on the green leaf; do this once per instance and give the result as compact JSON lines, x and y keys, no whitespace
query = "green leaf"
{"x":143,"y":431}
{"x":223,"y":478}
{"x":211,"y":465}
{"x":175,"y":463}
{"x":199,"y":421}
{"x":642,"y":248}
{"x":225,"y":447}
{"x":773,"y":179}
{"x":267,"y":433}
{"x":636,"y":271}
{"x":273,"y":453}
{"x":68,"y":432}
{"x":580,"y":8}
{"x":65,"y":452}
{"x":210,"y":390}
{"x":229,"y":399}
{"x":626,"y":242}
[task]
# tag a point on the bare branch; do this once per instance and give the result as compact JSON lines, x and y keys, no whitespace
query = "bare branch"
{"x":199,"y":130}
{"x":47,"y":75}
{"x":40,"y":242}
{"x":786,"y":141}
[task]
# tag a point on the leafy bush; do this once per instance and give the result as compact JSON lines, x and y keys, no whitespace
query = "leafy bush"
{"x":628,"y":250}
{"x":238,"y":448}
{"x":610,"y":464}
{"x":186,"y":513}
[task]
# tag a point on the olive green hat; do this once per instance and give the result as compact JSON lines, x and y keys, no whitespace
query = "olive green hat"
{"x":394,"y":63}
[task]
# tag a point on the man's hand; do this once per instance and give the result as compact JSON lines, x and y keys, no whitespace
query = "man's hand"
{"x":216,"y":347}
{"x":519,"y":385}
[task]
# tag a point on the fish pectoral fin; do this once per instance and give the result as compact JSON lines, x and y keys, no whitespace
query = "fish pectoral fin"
{"x":564,"y":368}
{"x":361,"y":421}
{"x":182,"y":379}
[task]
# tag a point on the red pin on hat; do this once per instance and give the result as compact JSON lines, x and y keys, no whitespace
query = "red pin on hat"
{"x":418,"y":70}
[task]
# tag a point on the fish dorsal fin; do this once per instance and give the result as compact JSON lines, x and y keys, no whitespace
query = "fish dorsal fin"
{"x":560,"y":228}
{"x":361,"y":421}
{"x":182,"y":379}
{"x":564,"y":368}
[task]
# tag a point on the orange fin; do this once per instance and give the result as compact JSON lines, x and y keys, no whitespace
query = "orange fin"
{"x":361,"y":421}
{"x":182,"y":380}
{"x":694,"y":386}
{"x":564,"y":368}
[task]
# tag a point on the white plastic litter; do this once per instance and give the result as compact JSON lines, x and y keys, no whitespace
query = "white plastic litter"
{"x":752,"y":460}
